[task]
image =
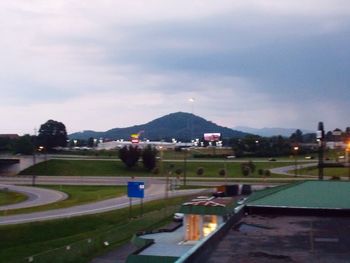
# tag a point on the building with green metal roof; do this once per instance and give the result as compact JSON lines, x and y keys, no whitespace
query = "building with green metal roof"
{"x":319,"y":197}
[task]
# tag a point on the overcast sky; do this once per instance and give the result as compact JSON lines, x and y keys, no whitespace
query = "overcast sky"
{"x":108,"y":63}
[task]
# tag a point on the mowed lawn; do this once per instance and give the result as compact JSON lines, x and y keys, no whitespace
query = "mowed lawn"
{"x":82,"y":168}
{"x":117,"y":168}
{"x":9,"y":198}
{"x":19,"y":241}
{"x":77,"y":195}
{"x":328,"y":171}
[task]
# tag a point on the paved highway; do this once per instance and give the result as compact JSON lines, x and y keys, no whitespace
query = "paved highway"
{"x":152,"y":192}
{"x":36,"y":196}
{"x":286,"y":170}
{"x":155,"y":189}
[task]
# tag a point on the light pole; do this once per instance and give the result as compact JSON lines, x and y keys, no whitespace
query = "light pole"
{"x":226,"y":171}
{"x":191,"y":100}
{"x":320,"y":138}
{"x":347,"y":158}
{"x":34,"y":146}
{"x":185,"y":165}
{"x":296,"y":148}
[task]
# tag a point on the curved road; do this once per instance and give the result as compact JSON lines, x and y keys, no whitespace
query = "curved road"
{"x":155,"y":190}
{"x":285,"y":170}
{"x":152,"y":192}
{"x":36,"y":196}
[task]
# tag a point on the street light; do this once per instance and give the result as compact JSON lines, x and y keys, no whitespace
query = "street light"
{"x":347,"y":157}
{"x":296,"y":149}
{"x":191,"y":100}
{"x":185,"y":165}
{"x":162,"y":172}
{"x":320,"y":138}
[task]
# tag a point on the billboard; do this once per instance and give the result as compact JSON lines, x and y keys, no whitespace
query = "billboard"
{"x":136,"y":189}
{"x":135,"y":138}
{"x":212,"y":137}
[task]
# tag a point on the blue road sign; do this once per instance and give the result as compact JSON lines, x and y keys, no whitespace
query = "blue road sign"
{"x":136,"y":189}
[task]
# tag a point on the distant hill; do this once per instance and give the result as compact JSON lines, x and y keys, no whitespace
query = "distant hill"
{"x":180,"y":125}
{"x":268,"y":132}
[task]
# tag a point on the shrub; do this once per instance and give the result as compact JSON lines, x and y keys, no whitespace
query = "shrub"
{"x":260,"y":172}
{"x":267,"y":172}
{"x":155,"y":170}
{"x":178,"y":171}
{"x":245,"y":170}
{"x":222,"y":172}
{"x":200,"y":171}
{"x":248,"y":168}
{"x":335,"y":178}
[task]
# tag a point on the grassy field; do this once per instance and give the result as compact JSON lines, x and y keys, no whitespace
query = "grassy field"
{"x":78,"y":168}
{"x":211,"y":169}
{"x":8,"y":197}
{"x":23,"y":240}
{"x":117,"y":168}
{"x":77,"y":195}
{"x":334,"y":171}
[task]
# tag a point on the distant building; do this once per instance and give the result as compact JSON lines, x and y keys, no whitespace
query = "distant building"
{"x":9,"y":136}
{"x":336,"y":140}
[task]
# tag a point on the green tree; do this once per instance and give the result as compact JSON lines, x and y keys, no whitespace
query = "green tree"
{"x":129,"y":155}
{"x":149,"y":157}
{"x":52,"y":134}
{"x":297,"y":136}
{"x":6,"y":144}
{"x":24,"y":145}
{"x":90,"y":142}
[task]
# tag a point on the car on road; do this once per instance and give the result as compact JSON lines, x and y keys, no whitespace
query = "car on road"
{"x":178,"y":217}
{"x":241,"y":201}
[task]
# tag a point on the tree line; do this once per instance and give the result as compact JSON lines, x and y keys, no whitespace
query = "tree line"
{"x":53,"y":134}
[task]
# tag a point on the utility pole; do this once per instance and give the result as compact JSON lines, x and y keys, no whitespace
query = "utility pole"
{"x":185,"y":165}
{"x":320,"y":139}
{"x":296,"y":149}
{"x":347,"y":157}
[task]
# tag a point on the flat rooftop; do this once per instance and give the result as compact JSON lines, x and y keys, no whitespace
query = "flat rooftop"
{"x":275,"y":239}
{"x":167,"y":244}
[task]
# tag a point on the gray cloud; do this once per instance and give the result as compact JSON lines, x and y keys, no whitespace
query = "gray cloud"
{"x":257,"y":63}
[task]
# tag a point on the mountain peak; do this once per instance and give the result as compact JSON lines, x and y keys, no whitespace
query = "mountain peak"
{"x":268,"y":132}
{"x":182,"y":126}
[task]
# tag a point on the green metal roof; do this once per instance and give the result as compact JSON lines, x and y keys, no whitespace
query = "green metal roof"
{"x":308,"y":194}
